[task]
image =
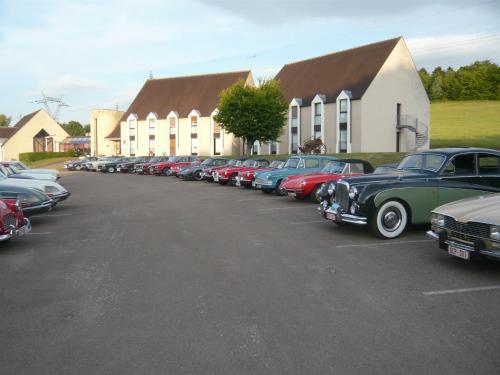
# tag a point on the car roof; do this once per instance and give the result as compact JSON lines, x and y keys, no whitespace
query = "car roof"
{"x":314,"y":157}
{"x":458,"y":150}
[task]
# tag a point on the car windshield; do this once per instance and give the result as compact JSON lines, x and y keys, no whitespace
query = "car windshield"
{"x":233,"y":162}
{"x":334,"y":167}
{"x":155,"y":159}
{"x":275,"y":164}
{"x":292,"y":163}
{"x":249,"y":163}
{"x":427,"y":162}
{"x":21,"y":165}
{"x":174,"y":159}
{"x":208,"y":161}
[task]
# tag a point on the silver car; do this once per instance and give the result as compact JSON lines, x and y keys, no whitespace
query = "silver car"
{"x":468,"y":228}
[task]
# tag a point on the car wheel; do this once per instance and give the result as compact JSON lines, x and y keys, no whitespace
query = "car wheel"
{"x":166,"y":172}
{"x":232,"y":180}
{"x":315,"y":194}
{"x":390,"y":220}
{"x":279,"y":188}
{"x":197,"y":176}
{"x":111,"y":169}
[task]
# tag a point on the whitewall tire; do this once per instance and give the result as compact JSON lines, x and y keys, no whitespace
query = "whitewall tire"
{"x":390,"y":220}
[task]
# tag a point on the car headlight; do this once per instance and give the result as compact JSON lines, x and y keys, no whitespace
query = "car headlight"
{"x":331,"y":188}
{"x":51,"y":189}
{"x":437,"y":219}
{"x":248,"y":174}
{"x":353,"y":192}
{"x":303,"y":183}
{"x":495,"y":232}
{"x":18,"y":205}
{"x":354,"y":208}
{"x":27,"y":199}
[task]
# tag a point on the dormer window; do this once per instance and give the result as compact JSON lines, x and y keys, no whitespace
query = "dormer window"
{"x":317,"y":117}
{"x":194,"y":135}
{"x":294,"y":129}
{"x":152,"y":136}
{"x":132,"y":131}
{"x":317,"y":120}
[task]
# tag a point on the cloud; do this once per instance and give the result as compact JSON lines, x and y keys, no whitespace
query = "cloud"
{"x":67,"y":84}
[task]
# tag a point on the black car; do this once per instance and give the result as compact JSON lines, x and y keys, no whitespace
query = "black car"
{"x":389,"y":202}
{"x":196,"y":172}
{"x":111,"y":165}
{"x":129,"y":166}
{"x":32,"y":201}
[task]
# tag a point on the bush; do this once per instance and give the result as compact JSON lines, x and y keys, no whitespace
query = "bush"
{"x":27,"y":157}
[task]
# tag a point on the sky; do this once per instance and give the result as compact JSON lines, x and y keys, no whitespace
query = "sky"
{"x":97,"y":54}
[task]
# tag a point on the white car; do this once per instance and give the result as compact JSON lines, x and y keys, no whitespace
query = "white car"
{"x":12,"y":171}
{"x":94,"y":166}
{"x":23,"y":168}
{"x":50,"y":188}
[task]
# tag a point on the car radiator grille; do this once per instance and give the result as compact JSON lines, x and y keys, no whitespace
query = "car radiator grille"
{"x":342,"y":196}
{"x":260,"y":181}
{"x":9,"y":220}
{"x":468,"y":232}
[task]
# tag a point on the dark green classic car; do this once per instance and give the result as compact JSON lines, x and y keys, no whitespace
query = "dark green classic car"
{"x":389,"y":202}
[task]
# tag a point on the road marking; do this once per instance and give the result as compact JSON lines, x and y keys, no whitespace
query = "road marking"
{"x":308,"y":222}
{"x":39,"y":233}
{"x":383,"y":243}
{"x":282,"y":208}
{"x":463,"y":290}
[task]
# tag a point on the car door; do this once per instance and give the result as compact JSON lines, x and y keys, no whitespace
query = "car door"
{"x":488,"y":166}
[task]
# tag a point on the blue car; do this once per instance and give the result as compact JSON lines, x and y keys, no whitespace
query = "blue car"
{"x":271,"y":181}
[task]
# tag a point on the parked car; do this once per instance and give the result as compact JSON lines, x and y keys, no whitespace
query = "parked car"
{"x":129,"y":166}
{"x":12,"y":221}
{"x":309,"y":185}
{"x":247,"y":177}
{"x":229,"y":175}
{"x":12,"y":172}
{"x":143,"y":168}
{"x":79,"y":164}
{"x":385,"y":168}
{"x":179,"y":167}
{"x":23,"y":168}
{"x":112,"y":165}
{"x":388,"y":203}
{"x":9,"y":172}
{"x":271,"y":181}
{"x":96,"y":165}
{"x":195,"y":172}
{"x":210,"y":173}
{"x":468,"y":228}
{"x":33,"y":201}
{"x":52,"y":189}
{"x":163,"y":168}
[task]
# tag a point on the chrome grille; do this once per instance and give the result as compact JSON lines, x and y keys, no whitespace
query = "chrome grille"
{"x":9,"y":221}
{"x":468,"y":232}
{"x":342,"y":196}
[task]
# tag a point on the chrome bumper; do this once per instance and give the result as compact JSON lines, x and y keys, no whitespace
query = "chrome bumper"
{"x":471,"y":249}
{"x":60,"y":197}
{"x":26,"y":228}
{"x":332,"y":213}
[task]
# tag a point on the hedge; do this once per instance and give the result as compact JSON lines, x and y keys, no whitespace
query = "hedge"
{"x":27,"y":157}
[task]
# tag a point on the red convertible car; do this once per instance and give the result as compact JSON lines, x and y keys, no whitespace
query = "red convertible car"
{"x":209,"y":174}
{"x":245,"y":178}
{"x":308,"y":185}
{"x":229,"y":175}
{"x":143,"y":168}
{"x":164,"y":168}
{"x":12,"y":220}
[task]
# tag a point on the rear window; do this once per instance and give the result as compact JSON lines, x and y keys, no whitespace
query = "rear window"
{"x":461,"y":165}
{"x":488,"y":164}
{"x":312,"y":163}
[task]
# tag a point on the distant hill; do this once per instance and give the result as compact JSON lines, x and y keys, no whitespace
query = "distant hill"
{"x":465,"y":123}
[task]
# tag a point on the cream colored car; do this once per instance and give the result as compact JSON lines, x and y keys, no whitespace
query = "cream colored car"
{"x":468,"y":228}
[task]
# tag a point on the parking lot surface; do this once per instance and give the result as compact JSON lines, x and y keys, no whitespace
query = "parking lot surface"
{"x":153,"y":275}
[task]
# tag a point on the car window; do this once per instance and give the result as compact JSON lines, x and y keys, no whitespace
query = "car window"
{"x":262,"y":163}
{"x":461,"y":165}
{"x":357,"y":168}
{"x":324,"y":162}
{"x":488,"y":164}
{"x":312,"y":163}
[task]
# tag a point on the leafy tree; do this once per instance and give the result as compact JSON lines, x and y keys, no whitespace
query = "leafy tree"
{"x":425,"y":77}
{"x":436,"y":86}
{"x":74,"y":129}
{"x":252,"y":113}
{"x":87,"y":128}
{"x":4,"y":120}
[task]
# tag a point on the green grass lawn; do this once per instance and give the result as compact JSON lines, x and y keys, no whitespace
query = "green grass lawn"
{"x":375,"y":158}
{"x":52,"y":163}
{"x":468,"y":123}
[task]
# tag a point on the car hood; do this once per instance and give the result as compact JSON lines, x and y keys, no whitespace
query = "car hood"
{"x":31,"y":183}
{"x":40,"y":171}
{"x":483,"y":209}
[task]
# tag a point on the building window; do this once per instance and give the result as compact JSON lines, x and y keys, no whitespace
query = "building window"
{"x":132,"y":137}
{"x":317,"y":120}
{"x":152,"y":132}
{"x":294,"y":136}
{"x":273,"y":148}
{"x":171,"y":125}
{"x":255,"y":148}
{"x":217,"y":138}
{"x":343,"y":110}
{"x":194,"y":135}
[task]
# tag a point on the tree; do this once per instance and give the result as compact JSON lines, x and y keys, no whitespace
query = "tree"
{"x":436,"y":85}
{"x":425,"y":77}
{"x":4,"y":120}
{"x":252,"y":113}
{"x":74,"y":129}
{"x":87,"y":128}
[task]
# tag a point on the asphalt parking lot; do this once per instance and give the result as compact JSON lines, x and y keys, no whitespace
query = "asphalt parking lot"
{"x":149,"y":275}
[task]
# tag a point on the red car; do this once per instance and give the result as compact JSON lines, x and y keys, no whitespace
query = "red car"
{"x":174,"y":170}
{"x":229,"y":175}
{"x":143,"y":168}
{"x":245,"y":178}
{"x":164,"y":168}
{"x":12,"y":220}
{"x":308,"y":185}
{"x":210,"y":173}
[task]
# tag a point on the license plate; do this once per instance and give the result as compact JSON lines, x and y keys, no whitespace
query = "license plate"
{"x":216,"y":178}
{"x":118,"y":169}
{"x":292,"y":194}
{"x":331,"y":216}
{"x":258,"y":186}
{"x":464,"y":254}
{"x":253,"y":183}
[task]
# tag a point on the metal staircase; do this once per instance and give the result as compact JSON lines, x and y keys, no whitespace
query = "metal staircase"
{"x":420,"y":129}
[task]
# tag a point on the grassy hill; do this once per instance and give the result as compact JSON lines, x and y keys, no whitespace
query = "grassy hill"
{"x":468,"y":123}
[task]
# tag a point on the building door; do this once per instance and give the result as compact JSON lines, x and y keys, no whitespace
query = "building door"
{"x":40,"y":141}
{"x":343,"y":137}
{"x":172,"y":145}
{"x":50,"y":144}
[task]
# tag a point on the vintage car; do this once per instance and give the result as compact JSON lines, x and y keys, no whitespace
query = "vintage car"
{"x":112,"y":165}
{"x":129,"y":166}
{"x":196,"y":172}
{"x":468,"y":228}
{"x":388,"y":203}
{"x":33,"y":201}
{"x":210,"y":173}
{"x":229,"y":175}
{"x":163,"y":168}
{"x":12,"y":221}
{"x":246,"y":178}
{"x":13,"y":172}
{"x":23,"y":168}
{"x":309,"y":185}
{"x":179,"y":167}
{"x":143,"y":168}
{"x":271,"y":181}
{"x":79,"y":164}
{"x":94,"y":166}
